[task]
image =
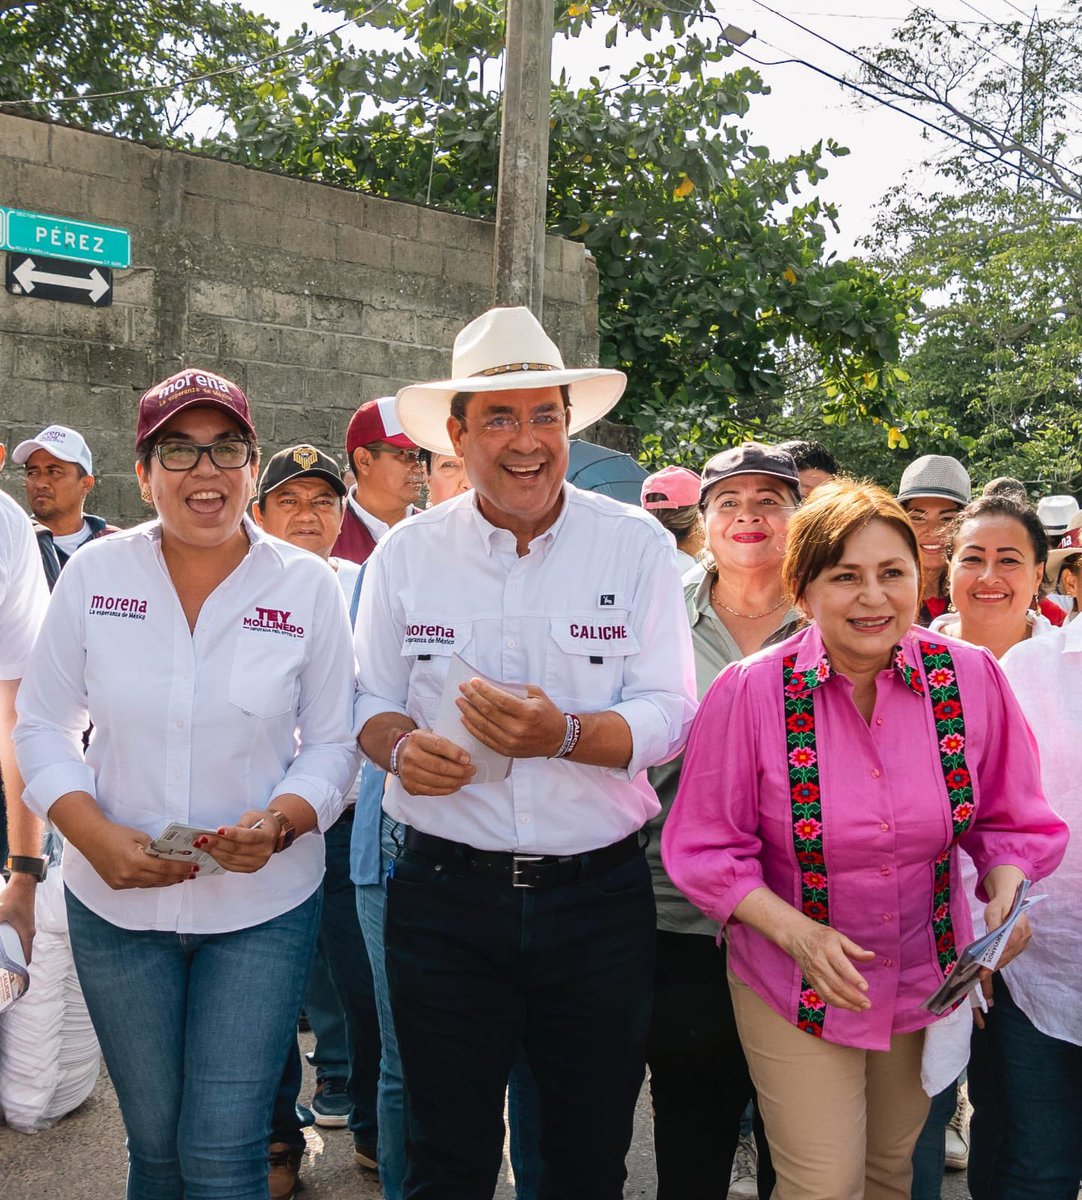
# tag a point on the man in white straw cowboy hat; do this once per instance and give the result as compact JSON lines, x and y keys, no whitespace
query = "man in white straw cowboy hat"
{"x":519,"y":912}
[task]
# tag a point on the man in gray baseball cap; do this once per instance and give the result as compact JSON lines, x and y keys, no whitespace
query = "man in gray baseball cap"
{"x":933,"y":490}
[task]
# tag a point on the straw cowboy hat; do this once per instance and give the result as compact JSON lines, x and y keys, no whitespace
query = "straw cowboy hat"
{"x":505,"y":348}
{"x":1070,"y":543}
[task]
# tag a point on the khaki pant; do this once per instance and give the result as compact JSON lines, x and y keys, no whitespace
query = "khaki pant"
{"x":841,"y":1122}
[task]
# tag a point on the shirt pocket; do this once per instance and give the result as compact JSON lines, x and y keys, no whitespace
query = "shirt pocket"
{"x":586,"y":657}
{"x":428,"y":642}
{"x":265,"y":678}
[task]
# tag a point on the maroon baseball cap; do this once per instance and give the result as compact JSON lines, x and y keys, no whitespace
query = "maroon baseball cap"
{"x":374,"y":422}
{"x":193,"y":388}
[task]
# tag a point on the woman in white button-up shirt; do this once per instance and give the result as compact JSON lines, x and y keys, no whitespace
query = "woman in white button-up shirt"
{"x":216,"y":666}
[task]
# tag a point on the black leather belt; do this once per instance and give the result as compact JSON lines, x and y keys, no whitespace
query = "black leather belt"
{"x":522,"y":870}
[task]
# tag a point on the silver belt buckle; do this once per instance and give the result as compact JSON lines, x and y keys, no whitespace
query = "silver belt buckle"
{"x":516,"y":868}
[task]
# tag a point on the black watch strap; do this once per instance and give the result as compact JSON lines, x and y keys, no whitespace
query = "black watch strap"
{"x":25,"y":865}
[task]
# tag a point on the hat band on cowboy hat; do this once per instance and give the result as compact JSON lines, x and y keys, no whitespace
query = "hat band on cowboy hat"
{"x":481,"y":362}
{"x":1070,"y":543}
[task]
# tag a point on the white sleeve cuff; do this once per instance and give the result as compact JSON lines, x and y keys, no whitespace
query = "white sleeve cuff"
{"x":43,"y":791}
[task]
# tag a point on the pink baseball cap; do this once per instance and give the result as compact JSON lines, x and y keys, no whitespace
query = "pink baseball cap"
{"x":193,"y":388}
{"x":677,"y":487}
{"x":376,"y":421}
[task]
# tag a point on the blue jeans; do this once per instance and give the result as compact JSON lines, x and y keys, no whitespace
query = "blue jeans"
{"x":194,"y":1029}
{"x":478,"y":969}
{"x":347,"y":1015}
{"x":390,"y":1104}
{"x":1026,"y":1091}
{"x":930,"y":1152}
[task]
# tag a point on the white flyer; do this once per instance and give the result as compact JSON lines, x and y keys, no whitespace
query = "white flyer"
{"x":491,"y":766}
{"x":177,"y":843}
{"x":14,"y":975}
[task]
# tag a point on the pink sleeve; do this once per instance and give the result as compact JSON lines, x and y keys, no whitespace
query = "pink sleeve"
{"x":1014,"y":825}
{"x":710,"y":844}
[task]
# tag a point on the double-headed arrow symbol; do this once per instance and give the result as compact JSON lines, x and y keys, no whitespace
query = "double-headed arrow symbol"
{"x":95,"y":284}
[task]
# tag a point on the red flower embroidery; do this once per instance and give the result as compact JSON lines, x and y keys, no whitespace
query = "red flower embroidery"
{"x":941,"y":912}
{"x":816,"y":910}
{"x":797,"y":687}
{"x":945,"y":941}
{"x":940,"y":677}
{"x":810,"y":998}
{"x":807,"y":829}
{"x":805,"y":793}
{"x":958,"y":778}
{"x":815,"y":879}
{"x":953,"y":743}
{"x":962,"y":812}
{"x":802,"y":756}
{"x":947,"y":710}
{"x":800,"y":722}
{"x":934,"y":648}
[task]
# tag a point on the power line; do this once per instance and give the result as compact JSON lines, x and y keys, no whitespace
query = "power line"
{"x":987,"y":50}
{"x":283,"y":52}
{"x":1012,"y":146}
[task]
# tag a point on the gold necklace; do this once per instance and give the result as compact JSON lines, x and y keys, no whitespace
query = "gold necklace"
{"x":743,"y":616}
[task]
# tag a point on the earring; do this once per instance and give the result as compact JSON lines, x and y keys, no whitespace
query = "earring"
{"x":145,"y":493}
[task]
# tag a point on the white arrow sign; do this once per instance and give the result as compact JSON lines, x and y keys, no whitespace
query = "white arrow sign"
{"x":26,"y":276}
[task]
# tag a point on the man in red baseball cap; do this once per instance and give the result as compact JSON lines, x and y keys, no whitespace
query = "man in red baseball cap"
{"x":387,"y":469}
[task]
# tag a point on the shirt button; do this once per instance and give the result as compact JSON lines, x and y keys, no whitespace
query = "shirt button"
{"x":884,"y":870}
{"x":879,"y":720}
{"x":884,"y":827}
{"x":888,"y":962}
{"x":524,"y":820}
{"x":510,"y":644}
{"x":875,"y":772}
{"x":888,"y":916}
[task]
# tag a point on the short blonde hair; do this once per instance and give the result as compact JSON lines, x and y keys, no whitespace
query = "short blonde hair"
{"x":821,"y":526}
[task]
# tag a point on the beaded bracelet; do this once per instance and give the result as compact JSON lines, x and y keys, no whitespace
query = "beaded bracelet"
{"x":571,"y":736}
{"x":395,"y":749}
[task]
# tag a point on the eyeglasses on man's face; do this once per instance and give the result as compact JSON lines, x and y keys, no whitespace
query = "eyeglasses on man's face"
{"x":228,"y":455}
{"x":504,"y":425}
{"x":411,"y":457}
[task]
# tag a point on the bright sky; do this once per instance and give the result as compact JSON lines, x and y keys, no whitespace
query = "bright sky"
{"x":803,"y":106}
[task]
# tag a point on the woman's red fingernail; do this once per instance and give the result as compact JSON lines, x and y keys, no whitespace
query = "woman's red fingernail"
{"x":195,"y":867}
{"x":221,"y":833}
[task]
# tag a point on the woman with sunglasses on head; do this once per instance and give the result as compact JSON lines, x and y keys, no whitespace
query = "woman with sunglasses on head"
{"x":216,"y":666}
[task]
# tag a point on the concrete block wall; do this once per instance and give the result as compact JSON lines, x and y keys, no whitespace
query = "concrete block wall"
{"x":312,"y":298}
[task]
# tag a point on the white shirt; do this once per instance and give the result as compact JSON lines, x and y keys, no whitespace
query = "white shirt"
{"x":196,"y":728}
{"x":24,"y":594}
{"x":374,"y":525}
{"x":1045,"y":673}
{"x":68,"y":543}
{"x":346,"y":572}
{"x":593,"y":614}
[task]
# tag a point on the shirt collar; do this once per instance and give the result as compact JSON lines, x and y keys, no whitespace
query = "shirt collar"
{"x":257,"y":537}
{"x":491,"y":534}
{"x":813,"y":662}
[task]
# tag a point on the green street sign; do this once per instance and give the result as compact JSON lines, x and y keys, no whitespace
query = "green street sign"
{"x":60,"y":237}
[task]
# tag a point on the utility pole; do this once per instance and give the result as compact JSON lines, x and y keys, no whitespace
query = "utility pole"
{"x":519,"y":260}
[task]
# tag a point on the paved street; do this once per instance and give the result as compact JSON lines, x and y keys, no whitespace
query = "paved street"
{"x":82,"y":1158}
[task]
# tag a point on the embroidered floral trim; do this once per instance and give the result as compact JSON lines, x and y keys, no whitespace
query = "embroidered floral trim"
{"x":950,"y":730}
{"x":807,"y":816}
{"x":807,"y":813}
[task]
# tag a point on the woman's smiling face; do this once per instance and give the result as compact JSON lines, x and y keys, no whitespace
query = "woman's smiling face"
{"x":994,"y":573}
{"x":202,"y":506}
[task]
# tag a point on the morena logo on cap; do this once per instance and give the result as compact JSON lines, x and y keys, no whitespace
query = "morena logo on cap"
{"x":305,"y":457}
{"x":180,"y":383}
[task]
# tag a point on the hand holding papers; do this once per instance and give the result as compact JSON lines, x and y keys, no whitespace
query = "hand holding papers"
{"x":490,"y":765}
{"x":984,"y":953}
{"x":176,"y":842}
{"x":14,"y":975}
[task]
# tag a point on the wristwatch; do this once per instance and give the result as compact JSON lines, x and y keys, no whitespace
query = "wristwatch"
{"x":23,"y":865}
{"x":287,"y":834}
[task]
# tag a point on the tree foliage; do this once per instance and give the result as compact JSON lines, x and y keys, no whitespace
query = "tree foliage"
{"x":84,"y":48}
{"x":995,"y":370}
{"x":717,"y":296}
{"x":710,"y":252}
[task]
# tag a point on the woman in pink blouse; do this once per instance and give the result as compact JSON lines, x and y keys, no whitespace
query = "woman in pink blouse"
{"x":825,"y":788}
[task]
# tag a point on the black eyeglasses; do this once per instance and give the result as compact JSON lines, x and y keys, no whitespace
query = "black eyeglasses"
{"x":227,"y":455}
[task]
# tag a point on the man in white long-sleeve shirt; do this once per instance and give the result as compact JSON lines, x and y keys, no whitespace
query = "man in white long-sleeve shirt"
{"x":520,"y":911}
